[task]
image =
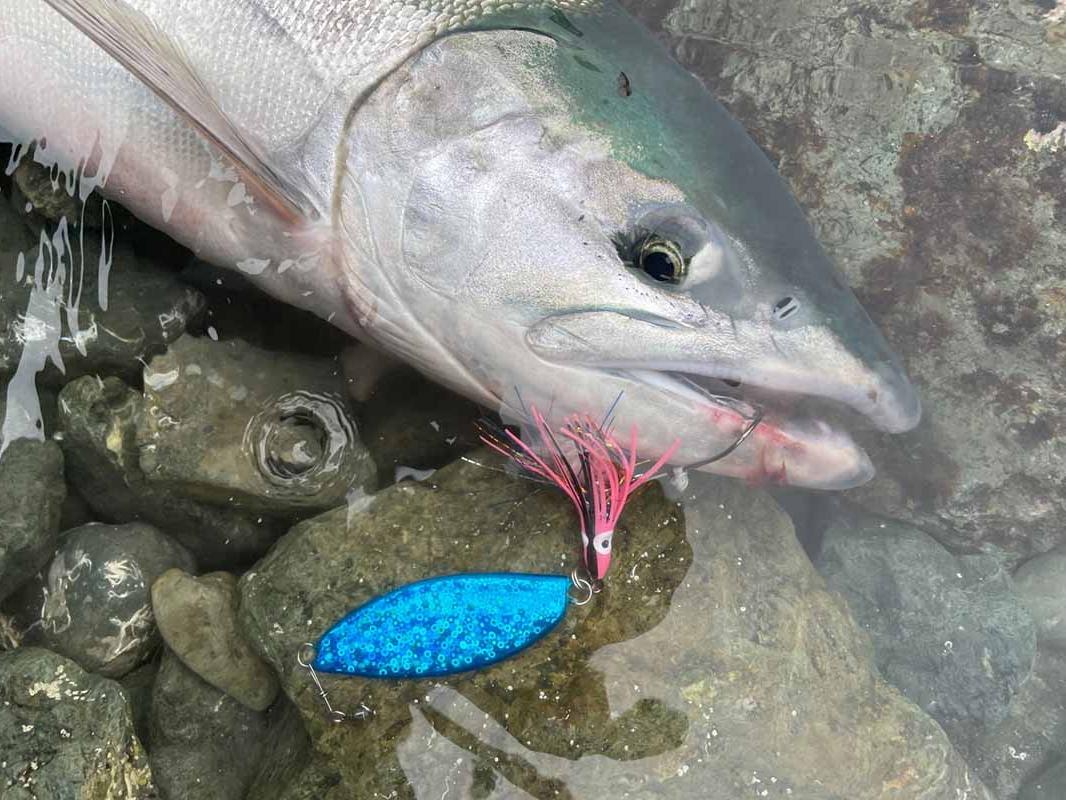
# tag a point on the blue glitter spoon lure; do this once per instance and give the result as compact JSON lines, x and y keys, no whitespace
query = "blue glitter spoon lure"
{"x":457,"y":623}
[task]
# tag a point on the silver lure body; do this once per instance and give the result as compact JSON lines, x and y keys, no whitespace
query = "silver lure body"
{"x":466,"y":177}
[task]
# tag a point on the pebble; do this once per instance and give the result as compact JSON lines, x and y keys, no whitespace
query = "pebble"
{"x":198,"y":620}
{"x":97,"y":607}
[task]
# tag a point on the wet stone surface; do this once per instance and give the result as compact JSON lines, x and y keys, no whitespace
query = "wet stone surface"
{"x":66,"y":734}
{"x":265,"y":431}
{"x":138,"y":686}
{"x":1031,"y":736}
{"x":198,"y":620}
{"x":1051,"y":785}
{"x":97,"y":608}
{"x":82,"y":319}
{"x":714,"y":657}
{"x":204,"y":745}
{"x":948,"y":631}
{"x":919,"y":136}
{"x":410,"y":423}
{"x":99,"y":422}
{"x":31,"y":500}
{"x":39,"y":192}
{"x":285,"y":763}
{"x":1041,"y":584}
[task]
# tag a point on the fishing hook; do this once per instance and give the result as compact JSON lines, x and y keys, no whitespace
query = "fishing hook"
{"x":757,"y":418}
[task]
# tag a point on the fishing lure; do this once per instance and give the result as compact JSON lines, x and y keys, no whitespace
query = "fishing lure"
{"x":456,"y":623}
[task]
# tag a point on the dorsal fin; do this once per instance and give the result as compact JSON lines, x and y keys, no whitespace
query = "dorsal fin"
{"x":160,"y":62}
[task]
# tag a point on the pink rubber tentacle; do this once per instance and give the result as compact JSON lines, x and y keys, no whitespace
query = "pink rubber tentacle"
{"x":556,"y":475}
{"x":603,"y":475}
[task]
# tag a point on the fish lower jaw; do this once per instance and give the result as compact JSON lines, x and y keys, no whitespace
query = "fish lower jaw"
{"x":784,"y":449}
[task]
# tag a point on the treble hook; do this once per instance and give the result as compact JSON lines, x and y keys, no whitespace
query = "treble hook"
{"x":305,"y":658}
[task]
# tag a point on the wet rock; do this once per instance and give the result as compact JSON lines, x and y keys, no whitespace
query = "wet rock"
{"x":44,"y":192}
{"x":66,"y":734}
{"x":198,"y":620}
{"x":31,"y":500}
{"x":269,"y":432}
{"x":99,"y":422}
{"x":948,"y":630}
{"x":919,"y":139}
{"x":204,"y":744}
{"x":408,"y":422}
{"x":1041,"y":584}
{"x":98,"y":608}
{"x":714,"y":661}
{"x":83,"y":317}
{"x":285,"y":759}
{"x":138,"y":686}
{"x":1032,"y":735}
{"x":236,"y":307}
{"x":75,"y":511}
{"x":1051,"y":785}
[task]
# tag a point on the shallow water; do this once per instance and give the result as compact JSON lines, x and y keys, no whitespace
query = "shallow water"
{"x":901,"y":640}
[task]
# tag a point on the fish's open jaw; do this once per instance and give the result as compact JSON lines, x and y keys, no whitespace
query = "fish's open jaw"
{"x":801,"y":451}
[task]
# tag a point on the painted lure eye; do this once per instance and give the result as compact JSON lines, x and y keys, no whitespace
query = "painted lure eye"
{"x":662,"y":259}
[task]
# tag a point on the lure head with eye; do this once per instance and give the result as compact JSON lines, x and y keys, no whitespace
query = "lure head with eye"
{"x":525,"y":231}
{"x":601,"y":548}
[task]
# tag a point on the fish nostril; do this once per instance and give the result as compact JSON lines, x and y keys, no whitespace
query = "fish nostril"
{"x":785,"y":308}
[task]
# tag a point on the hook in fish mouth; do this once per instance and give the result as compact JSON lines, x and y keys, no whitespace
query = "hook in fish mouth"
{"x":758,"y":440}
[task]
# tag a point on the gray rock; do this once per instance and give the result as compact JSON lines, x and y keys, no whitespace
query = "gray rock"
{"x":267,"y":431}
{"x":66,"y":734}
{"x":915,"y":134}
{"x":40,"y":194}
{"x":204,"y":744}
{"x":138,"y":686}
{"x":1032,"y":735}
{"x":1041,"y":584}
{"x":98,"y":608}
{"x":31,"y":500}
{"x":410,"y":422}
{"x":237,"y":307}
{"x":1051,"y":785}
{"x":15,"y":237}
{"x":123,"y":316}
{"x":948,"y":630}
{"x":286,"y":756}
{"x":198,"y":620}
{"x":75,"y":511}
{"x":714,"y":664}
{"x":99,"y":420}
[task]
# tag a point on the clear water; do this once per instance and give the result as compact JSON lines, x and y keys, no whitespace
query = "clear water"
{"x":900,"y":640}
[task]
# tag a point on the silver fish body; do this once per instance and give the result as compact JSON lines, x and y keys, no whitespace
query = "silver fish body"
{"x":530,"y":202}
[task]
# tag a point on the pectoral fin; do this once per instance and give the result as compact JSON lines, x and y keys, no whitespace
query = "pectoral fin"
{"x":159,"y":61}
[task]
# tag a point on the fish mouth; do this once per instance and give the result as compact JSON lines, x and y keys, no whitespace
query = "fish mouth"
{"x":710,"y":359}
{"x":777,"y":438}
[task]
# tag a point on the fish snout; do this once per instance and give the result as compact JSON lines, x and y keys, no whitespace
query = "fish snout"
{"x":890,"y":400}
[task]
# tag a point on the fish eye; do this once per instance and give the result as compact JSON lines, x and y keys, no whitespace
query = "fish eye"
{"x":662,"y":259}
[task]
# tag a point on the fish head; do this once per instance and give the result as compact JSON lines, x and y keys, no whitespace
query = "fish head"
{"x":568,"y":219}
